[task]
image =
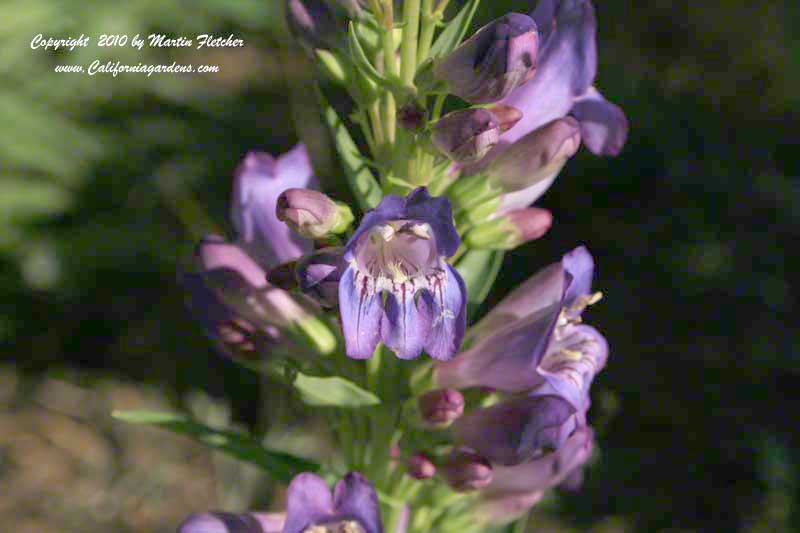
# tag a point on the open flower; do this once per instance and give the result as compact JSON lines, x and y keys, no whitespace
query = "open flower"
{"x":514,"y":344}
{"x":310,"y":508}
{"x":399,"y":251}
{"x":259,"y":181}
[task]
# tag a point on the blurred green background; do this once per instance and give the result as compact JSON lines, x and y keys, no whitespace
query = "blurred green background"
{"x":105,"y":182}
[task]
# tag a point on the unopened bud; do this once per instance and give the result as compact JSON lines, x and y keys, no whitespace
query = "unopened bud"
{"x":411,"y":116}
{"x":420,"y":466}
{"x":536,"y":156}
{"x":465,"y":470}
{"x":510,"y":230}
{"x":440,"y":408}
{"x":318,"y":275}
{"x":507,"y":116}
{"x":500,"y":57}
{"x":312,"y":214}
{"x":467,"y":135}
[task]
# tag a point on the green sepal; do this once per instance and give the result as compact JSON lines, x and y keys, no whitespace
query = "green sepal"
{"x":332,"y":66}
{"x":280,"y":465}
{"x":332,"y":391}
{"x":363,"y":184}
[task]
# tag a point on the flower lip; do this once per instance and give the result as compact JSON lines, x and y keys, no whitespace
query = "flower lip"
{"x":398,"y":251}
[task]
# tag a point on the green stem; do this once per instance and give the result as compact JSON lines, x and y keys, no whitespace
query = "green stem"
{"x":428,"y":29}
{"x":408,"y":51}
{"x":390,"y":68}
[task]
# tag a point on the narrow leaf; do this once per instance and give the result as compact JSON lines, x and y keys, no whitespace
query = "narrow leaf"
{"x":281,"y":466}
{"x":362,"y":182}
{"x":333,"y":391}
{"x":455,"y":30}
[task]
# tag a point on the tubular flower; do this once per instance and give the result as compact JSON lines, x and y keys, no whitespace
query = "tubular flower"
{"x":514,"y":489}
{"x":563,"y":81}
{"x":466,"y":135}
{"x":500,"y":57}
{"x":259,"y":181}
{"x":514,"y":344}
{"x":310,"y":508}
{"x":352,"y":508}
{"x":399,"y":250}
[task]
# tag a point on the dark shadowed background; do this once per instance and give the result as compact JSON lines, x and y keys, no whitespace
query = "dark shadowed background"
{"x":105,"y":182}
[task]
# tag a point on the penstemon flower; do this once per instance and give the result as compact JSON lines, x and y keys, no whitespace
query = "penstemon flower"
{"x":338,"y":305}
{"x":400,"y":249}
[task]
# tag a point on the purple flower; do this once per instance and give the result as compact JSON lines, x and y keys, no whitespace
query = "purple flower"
{"x":500,"y":57}
{"x":517,"y":430}
{"x":548,"y":470}
{"x":563,"y":80}
{"x":514,"y":489}
{"x":353,"y":504}
{"x":318,"y":275}
{"x":218,"y":522}
{"x":259,"y":181}
{"x":466,"y":135}
{"x":526,"y":333}
{"x":310,"y":507}
{"x":399,"y":250}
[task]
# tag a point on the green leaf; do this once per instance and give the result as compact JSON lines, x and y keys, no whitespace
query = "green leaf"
{"x":455,"y":30}
{"x":361,"y":61}
{"x":362,"y":182}
{"x":333,"y":391}
{"x":281,"y":466}
{"x":479,"y":268}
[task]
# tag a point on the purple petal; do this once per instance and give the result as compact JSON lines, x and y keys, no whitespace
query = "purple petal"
{"x":319,"y":274}
{"x":446,"y":305}
{"x":404,"y":328}
{"x":308,"y":502}
{"x":214,"y":253}
{"x":567,"y":67}
{"x":604,"y":127}
{"x":525,"y":197}
{"x":505,"y":360}
{"x":546,"y":471}
{"x":505,"y":508}
{"x":515,"y":431}
{"x":419,"y":206}
{"x":217,"y":522}
{"x":355,"y":499}
{"x":567,"y":375}
{"x":360,"y":308}
{"x":579,"y":265}
{"x":259,"y":180}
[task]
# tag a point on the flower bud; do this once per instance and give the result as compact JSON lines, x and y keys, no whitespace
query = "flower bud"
{"x":318,"y":275}
{"x":313,"y":23}
{"x":510,"y":230}
{"x":488,"y":66}
{"x":506,"y":115}
{"x":506,"y":507}
{"x":420,"y":466}
{"x":465,"y":470}
{"x":411,"y":116}
{"x":536,"y":157}
{"x":312,"y":214}
{"x":466,"y":136}
{"x":439,"y":408}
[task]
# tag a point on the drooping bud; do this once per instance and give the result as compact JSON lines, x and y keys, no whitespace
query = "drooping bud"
{"x":217,"y":522}
{"x":318,"y":275}
{"x":313,"y":23}
{"x":506,"y":115}
{"x":439,"y":408}
{"x":506,"y":507}
{"x":420,"y":466}
{"x":467,"y":135}
{"x":510,"y":230}
{"x":312,"y":214}
{"x":411,"y":116}
{"x":536,"y":157}
{"x":487,"y":67}
{"x":465,"y":470}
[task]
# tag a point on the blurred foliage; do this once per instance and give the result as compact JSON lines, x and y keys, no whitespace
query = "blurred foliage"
{"x":693,"y":228}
